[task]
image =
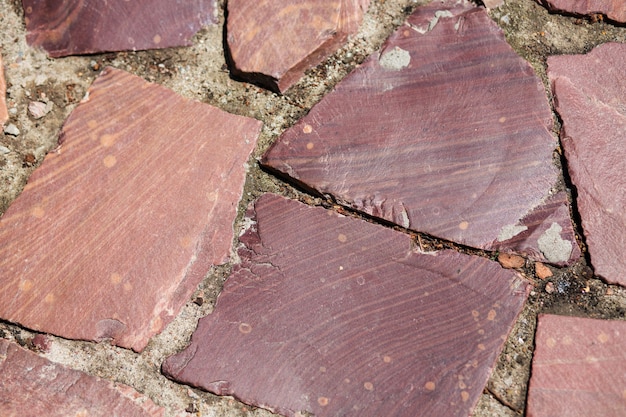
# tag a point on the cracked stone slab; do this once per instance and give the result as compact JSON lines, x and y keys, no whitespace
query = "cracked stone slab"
{"x":446,"y":131}
{"x":579,"y":368}
{"x":34,"y":386}
{"x":276,"y":41}
{"x":590,"y":93}
{"x":76,"y":27}
{"x":117,"y":227}
{"x":614,"y":10}
{"x":328,"y":315}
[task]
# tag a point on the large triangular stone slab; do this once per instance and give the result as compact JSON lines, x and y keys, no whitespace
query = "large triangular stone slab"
{"x":579,"y":368}
{"x":276,"y":41}
{"x":34,"y":386}
{"x":331,"y":316}
{"x":116,"y":228}
{"x":76,"y":27}
{"x":445,"y":130}
{"x":590,"y":95}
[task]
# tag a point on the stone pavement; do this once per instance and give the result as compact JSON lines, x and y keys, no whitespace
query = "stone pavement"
{"x":418,"y":216}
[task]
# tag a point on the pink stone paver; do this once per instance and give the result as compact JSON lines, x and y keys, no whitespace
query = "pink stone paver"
{"x":276,"y":41}
{"x":446,"y":131}
{"x":590,"y":93}
{"x":613,"y":9}
{"x":33,"y":386}
{"x":74,"y":27}
{"x":328,"y":315}
{"x":579,"y":368}
{"x":115,"y":230}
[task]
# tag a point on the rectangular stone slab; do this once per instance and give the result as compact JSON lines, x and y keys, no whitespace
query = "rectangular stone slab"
{"x":75,"y":27}
{"x":332,"y":316}
{"x":590,"y":96}
{"x":33,"y":386}
{"x":116,"y":228}
{"x":579,"y":368}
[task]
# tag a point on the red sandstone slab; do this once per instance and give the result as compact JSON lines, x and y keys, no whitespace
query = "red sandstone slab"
{"x":333,"y":316}
{"x":4,"y":113}
{"x":34,"y":386}
{"x":613,"y":9}
{"x":114,"y":231}
{"x":276,"y":41}
{"x":75,"y":27}
{"x":445,"y":130}
{"x":579,"y":368}
{"x":590,"y":95}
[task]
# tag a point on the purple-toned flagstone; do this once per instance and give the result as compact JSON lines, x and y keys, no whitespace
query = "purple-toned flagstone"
{"x":445,"y":131}
{"x":276,"y":41}
{"x":75,"y":27}
{"x":117,"y":227}
{"x":329,"y":315}
{"x":613,"y":9}
{"x":590,"y":93}
{"x":33,"y":386}
{"x":579,"y":368}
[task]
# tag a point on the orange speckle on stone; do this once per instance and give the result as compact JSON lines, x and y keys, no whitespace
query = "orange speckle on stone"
{"x":603,"y":337}
{"x":25,"y":285}
{"x":307,"y":129}
{"x":368,"y":386}
{"x":462,"y":385}
{"x":186,"y":241}
{"x":387,"y":359}
{"x":491,"y":316}
{"x":157,"y":39}
{"x":463,"y":225}
{"x":624,"y":394}
{"x":430,"y":386}
{"x":38,"y":212}
{"x":128,"y":286}
{"x":475,"y":314}
{"x":322,"y":369}
{"x":481,"y":331}
{"x":481,"y":346}
{"x":342,"y":238}
{"x":310,"y":145}
{"x":346,"y":380}
{"x":92,"y":124}
{"x":116,"y":278}
{"x":109,"y":161}
{"x":323,"y":401}
{"x":49,"y":298}
{"x":245,"y":328}
{"x":551,"y":342}
{"x":567,"y":340}
{"x":502,"y":119}
{"x":107,"y":140}
{"x":464,"y":396}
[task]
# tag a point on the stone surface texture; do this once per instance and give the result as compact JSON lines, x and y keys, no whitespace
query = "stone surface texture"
{"x":590,"y":93}
{"x":327,"y":315}
{"x":76,"y":27}
{"x":579,"y":368}
{"x":4,"y":113}
{"x":34,"y":386}
{"x":116,"y":228}
{"x":276,"y":41}
{"x":613,"y":9}
{"x":444,"y":131}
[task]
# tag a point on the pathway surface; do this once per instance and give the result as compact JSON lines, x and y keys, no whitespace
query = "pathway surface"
{"x":431,"y":209}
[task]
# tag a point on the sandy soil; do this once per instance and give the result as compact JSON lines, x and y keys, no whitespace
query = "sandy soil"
{"x":199,"y":72}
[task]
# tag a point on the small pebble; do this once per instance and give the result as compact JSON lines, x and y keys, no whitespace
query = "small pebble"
{"x":39,"y":109}
{"x":549,"y":287}
{"x":4,"y":149}
{"x":542,"y":271}
{"x":11,"y":129}
{"x":509,"y":261}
